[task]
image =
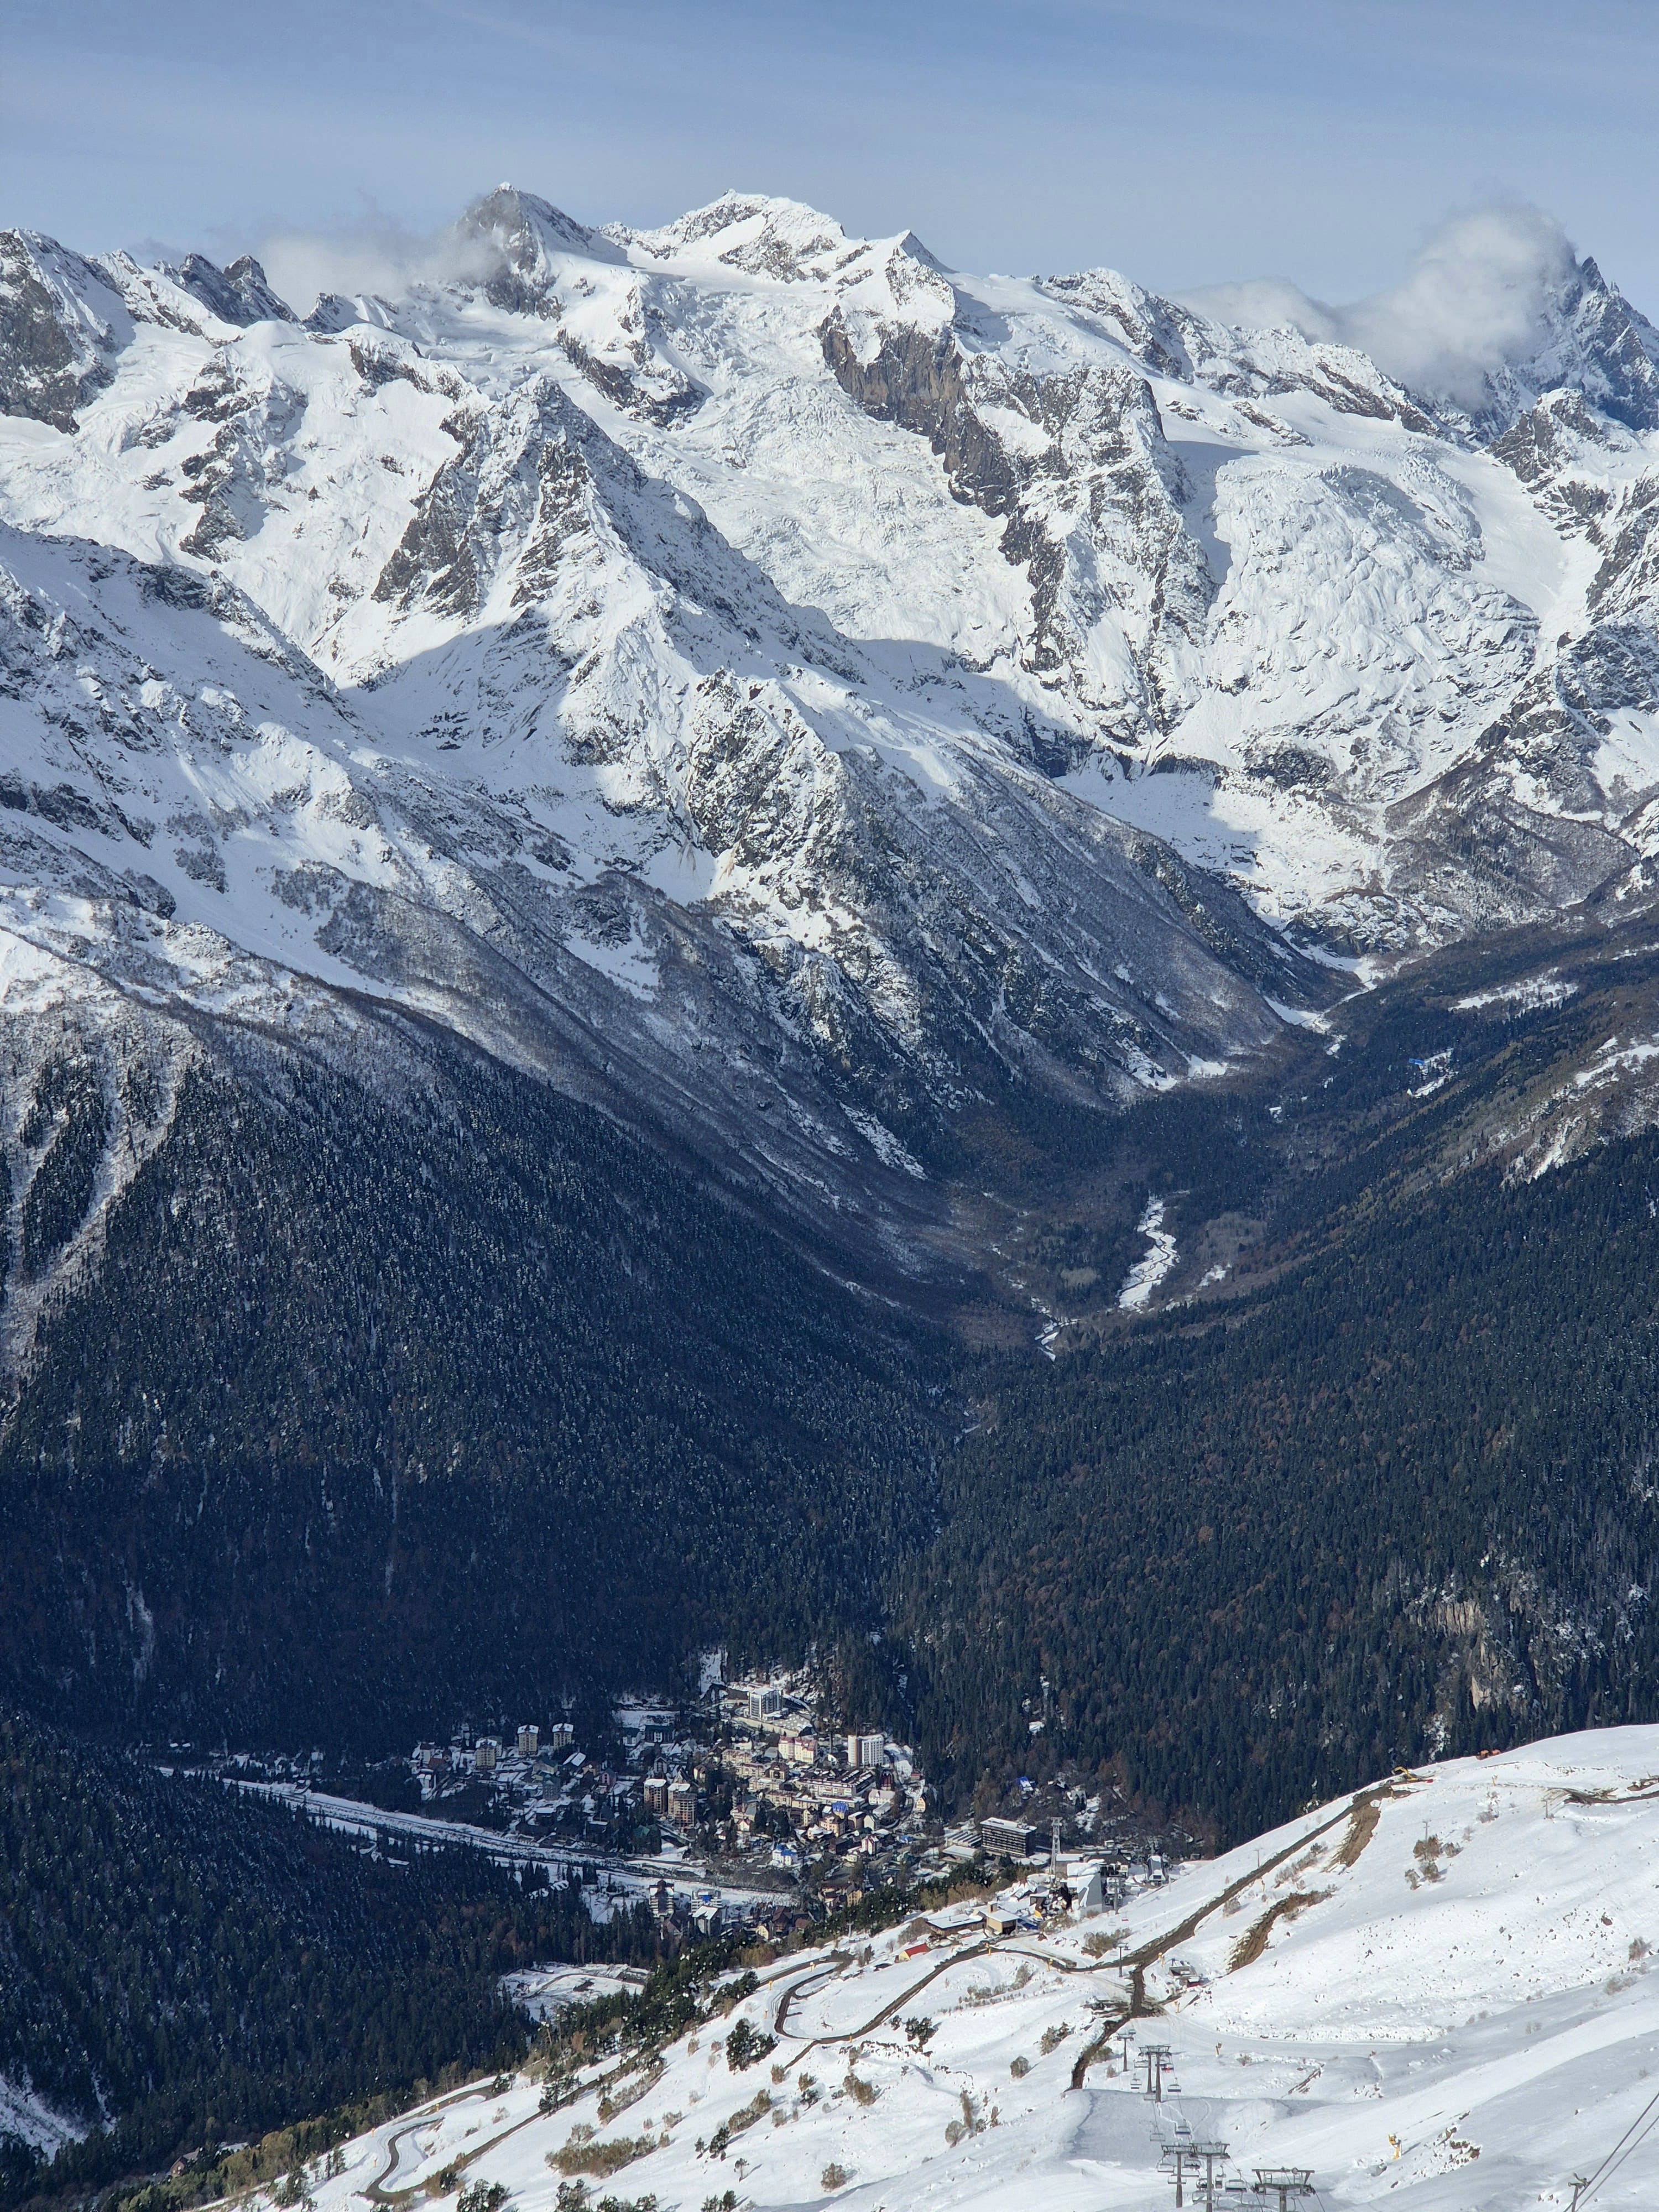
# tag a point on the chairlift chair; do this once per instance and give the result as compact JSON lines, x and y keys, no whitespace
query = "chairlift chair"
{"x":1287,"y":2183}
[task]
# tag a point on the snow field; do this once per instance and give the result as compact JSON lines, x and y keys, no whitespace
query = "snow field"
{"x":1450,"y":2006}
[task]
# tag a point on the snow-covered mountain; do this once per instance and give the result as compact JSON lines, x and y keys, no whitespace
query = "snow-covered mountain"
{"x":780,"y":687}
{"x":1436,"y":1993}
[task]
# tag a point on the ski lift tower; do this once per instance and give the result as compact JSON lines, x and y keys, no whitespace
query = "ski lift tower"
{"x":1180,"y":2159}
{"x":1210,"y":2152}
{"x":1285,"y":2182}
{"x":1156,"y":2055}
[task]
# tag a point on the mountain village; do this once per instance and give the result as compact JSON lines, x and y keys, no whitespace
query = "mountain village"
{"x":1434,"y":1992}
{"x":742,"y":1809}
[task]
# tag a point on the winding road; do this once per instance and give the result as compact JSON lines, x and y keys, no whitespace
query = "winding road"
{"x":1135,"y":1963}
{"x":799,"y":1985}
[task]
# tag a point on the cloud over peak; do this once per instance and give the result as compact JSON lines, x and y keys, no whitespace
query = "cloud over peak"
{"x":1482,"y":293}
{"x":376,"y":256}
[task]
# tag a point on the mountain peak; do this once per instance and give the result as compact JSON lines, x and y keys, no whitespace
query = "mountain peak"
{"x":911,"y":245}
{"x":1597,"y":344}
{"x":516,"y":236}
{"x":1497,"y":311}
{"x":62,"y":321}
{"x":239,"y":293}
{"x":752,"y":231}
{"x":522,"y":221}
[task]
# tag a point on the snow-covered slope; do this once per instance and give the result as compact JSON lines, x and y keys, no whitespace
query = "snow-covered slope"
{"x":760,"y":676}
{"x":1435,"y":1994}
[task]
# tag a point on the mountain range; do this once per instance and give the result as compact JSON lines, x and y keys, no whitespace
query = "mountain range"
{"x":761,"y":680}
{"x":605,"y":860}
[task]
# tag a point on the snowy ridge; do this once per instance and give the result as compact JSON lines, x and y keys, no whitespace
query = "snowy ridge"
{"x":1435,"y":1993}
{"x":743,"y":642}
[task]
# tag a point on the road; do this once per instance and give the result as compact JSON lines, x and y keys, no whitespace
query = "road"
{"x":792,"y":1983}
{"x":1134,"y":1963}
{"x":351,"y":1816}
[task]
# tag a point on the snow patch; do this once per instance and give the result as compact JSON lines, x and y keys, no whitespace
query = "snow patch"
{"x":1449,"y":1973}
{"x":1159,"y":1257}
{"x":885,"y":1145}
{"x":23,"y":2114}
{"x":1530,"y":995}
{"x":1300,"y":1018}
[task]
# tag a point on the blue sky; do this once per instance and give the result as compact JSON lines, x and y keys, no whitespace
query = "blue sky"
{"x":1187,"y":142}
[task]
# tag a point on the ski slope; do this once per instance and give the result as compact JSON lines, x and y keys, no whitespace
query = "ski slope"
{"x":1437,"y":1994}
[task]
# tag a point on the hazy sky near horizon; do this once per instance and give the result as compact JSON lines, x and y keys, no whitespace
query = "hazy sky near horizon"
{"x":1186,"y":141}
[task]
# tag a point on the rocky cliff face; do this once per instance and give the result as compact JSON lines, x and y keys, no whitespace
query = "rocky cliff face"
{"x":785,"y":691}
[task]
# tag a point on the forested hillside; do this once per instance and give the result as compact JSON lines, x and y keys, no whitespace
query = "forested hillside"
{"x":1399,"y":1501}
{"x":178,"y":1965}
{"x":713,"y":939}
{"x":386,"y":1407}
{"x":380,"y":1413}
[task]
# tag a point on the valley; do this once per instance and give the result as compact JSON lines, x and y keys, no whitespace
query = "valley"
{"x":716,"y":941}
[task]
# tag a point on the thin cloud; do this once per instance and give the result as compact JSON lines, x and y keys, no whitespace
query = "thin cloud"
{"x":1480,"y":294}
{"x":376,"y":255}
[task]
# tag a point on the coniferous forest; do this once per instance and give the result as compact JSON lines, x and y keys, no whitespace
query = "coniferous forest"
{"x":180,"y":1967}
{"x":386,"y":1407}
{"x":375,"y":1415}
{"x":1399,"y":1503}
{"x":829,"y":1109}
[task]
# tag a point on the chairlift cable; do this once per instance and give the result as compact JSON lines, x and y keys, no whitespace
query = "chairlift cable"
{"x":1622,"y":2155}
{"x":1619,"y":2151}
